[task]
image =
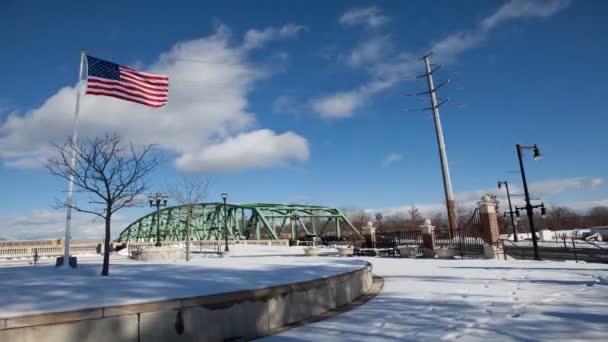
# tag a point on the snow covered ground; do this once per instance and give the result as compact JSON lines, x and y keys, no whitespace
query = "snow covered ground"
{"x":31,"y":289}
{"x":474,"y":300}
{"x":432,"y":300}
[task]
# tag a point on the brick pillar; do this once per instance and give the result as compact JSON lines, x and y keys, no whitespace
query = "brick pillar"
{"x":428,"y":238}
{"x":489,"y":226}
{"x":369,"y":235}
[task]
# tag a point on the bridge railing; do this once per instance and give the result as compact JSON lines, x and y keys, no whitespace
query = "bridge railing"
{"x":41,"y":250}
{"x":19,"y":249}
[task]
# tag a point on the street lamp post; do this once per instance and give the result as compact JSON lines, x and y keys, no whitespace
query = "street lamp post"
{"x":529,"y":207}
{"x":379,"y":219}
{"x":511,"y":212}
{"x":158,"y":201}
{"x":224,"y":197}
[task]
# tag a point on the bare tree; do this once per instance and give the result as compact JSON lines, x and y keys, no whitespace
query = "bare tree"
{"x":464,"y":214}
{"x":561,"y":217}
{"x":358,"y":217}
{"x":189,"y":191}
{"x":415,"y":217}
{"x":395,"y":222}
{"x":110,"y":173}
{"x":599,"y":216}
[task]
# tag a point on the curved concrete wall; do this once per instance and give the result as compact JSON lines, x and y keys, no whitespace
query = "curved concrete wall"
{"x":236,"y":315}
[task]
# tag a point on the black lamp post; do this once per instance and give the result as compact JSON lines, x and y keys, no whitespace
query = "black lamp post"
{"x":511,"y":212}
{"x":224,"y":197}
{"x":379,"y":219}
{"x":158,"y":201}
{"x":529,"y":207}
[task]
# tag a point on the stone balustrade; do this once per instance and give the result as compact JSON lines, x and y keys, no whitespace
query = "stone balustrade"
{"x":17,"y":249}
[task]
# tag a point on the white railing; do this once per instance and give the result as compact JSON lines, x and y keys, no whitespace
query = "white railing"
{"x":48,"y":250}
{"x":16,"y":249}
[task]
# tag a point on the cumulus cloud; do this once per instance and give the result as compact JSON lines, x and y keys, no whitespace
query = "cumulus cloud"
{"x":391,"y":159}
{"x":210,"y":79}
{"x":257,"y":149}
{"x":371,"y":17}
{"x":448,"y":49}
{"x":340,"y":105}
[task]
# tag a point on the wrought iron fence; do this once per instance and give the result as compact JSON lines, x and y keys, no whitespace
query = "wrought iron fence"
{"x":468,"y":239}
{"x":388,"y":243}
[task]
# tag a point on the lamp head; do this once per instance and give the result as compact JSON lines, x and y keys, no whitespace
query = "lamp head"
{"x":537,"y":155}
{"x":150,"y":199}
{"x":499,"y":185}
{"x":165,"y":199}
{"x":517,"y":212}
{"x":543,"y":211}
{"x":224,"y":195}
{"x":379,"y":216}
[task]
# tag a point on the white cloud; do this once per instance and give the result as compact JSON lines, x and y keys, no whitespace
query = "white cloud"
{"x":391,"y":158}
{"x":557,"y":186}
{"x":210,"y":79}
{"x":524,"y":8}
{"x":369,"y":51}
{"x":372,"y":17}
{"x":285,"y":104}
{"x":583,"y":206}
{"x":50,"y":224}
{"x":257,"y":149}
{"x":344,"y":104}
{"x":340,"y":105}
{"x":543,"y":189}
{"x":595,"y":182}
{"x":454,"y":44}
{"x":255,"y":38}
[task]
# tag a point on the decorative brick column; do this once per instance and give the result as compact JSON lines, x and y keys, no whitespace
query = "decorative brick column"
{"x":428,"y":239}
{"x":369,"y":235}
{"x":489,"y":226}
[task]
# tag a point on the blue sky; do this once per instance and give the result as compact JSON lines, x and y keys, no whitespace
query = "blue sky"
{"x":306,"y":101}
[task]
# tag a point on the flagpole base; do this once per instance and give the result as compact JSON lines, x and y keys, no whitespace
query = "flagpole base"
{"x":73,"y":262}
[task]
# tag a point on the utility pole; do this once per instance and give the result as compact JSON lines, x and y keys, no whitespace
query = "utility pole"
{"x":511,"y":212}
{"x":447,"y":183}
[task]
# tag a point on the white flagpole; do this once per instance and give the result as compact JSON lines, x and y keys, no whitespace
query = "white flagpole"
{"x":68,"y":221}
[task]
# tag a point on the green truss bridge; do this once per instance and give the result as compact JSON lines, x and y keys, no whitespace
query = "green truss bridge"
{"x":244,"y":221}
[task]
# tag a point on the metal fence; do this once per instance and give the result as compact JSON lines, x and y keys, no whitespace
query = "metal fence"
{"x":566,"y":248}
{"x":388,"y":243}
{"x":468,"y":240}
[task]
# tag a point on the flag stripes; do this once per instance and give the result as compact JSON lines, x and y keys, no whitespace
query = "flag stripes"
{"x":125,"y":83}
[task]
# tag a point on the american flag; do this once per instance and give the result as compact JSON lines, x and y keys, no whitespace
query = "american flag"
{"x":125,"y":83}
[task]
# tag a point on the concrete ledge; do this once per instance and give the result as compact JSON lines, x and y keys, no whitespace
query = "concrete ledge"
{"x":163,"y":253}
{"x":233,"y":315}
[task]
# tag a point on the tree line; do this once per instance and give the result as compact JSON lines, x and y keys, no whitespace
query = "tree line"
{"x":558,"y":217}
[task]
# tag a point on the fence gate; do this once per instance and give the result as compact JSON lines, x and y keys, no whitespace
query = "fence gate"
{"x":469,"y":239}
{"x":392,"y":240}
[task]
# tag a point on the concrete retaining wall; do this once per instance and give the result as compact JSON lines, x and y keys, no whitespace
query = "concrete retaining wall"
{"x":236,"y":315}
